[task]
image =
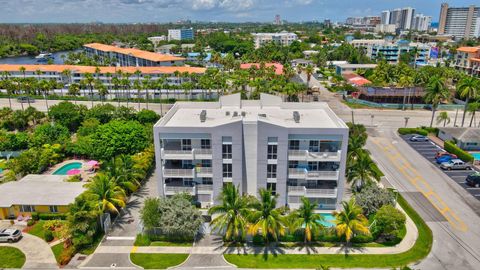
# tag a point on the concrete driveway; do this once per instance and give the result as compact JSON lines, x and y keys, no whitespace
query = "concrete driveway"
{"x":38,"y":253}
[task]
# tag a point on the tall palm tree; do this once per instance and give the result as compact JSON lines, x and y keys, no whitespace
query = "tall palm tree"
{"x":108,"y":196}
{"x":7,"y":85}
{"x":443,"y":117}
{"x":350,"y":221}
{"x":468,"y":87}
{"x":266,"y":218}
{"x":88,"y":80}
{"x":231,"y":214}
{"x":121,"y":169}
{"x":126,"y":85}
{"x":362,"y":171}
{"x":473,"y":108}
{"x":67,"y":73}
{"x":22,"y":69}
{"x":436,"y":91}
{"x":309,"y":221}
{"x":138,"y":85}
{"x":147,"y":85}
{"x":74,"y":90}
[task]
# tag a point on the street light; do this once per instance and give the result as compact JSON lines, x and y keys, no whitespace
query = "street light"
{"x":371,"y":119}
{"x":406,"y":121}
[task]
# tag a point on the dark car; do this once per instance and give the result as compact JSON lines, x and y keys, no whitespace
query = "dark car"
{"x":444,"y":158}
{"x":473,"y":180}
{"x":25,"y":99}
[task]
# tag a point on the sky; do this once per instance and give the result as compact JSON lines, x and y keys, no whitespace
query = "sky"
{"x":132,"y":11}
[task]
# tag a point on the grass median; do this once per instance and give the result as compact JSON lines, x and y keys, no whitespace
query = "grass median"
{"x":11,"y":257}
{"x":157,"y":260}
{"x":420,"y":250}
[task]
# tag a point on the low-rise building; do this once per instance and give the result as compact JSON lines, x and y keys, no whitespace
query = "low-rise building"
{"x":467,"y":59}
{"x":294,"y":149}
{"x":385,"y":28}
{"x":130,"y":56}
{"x":181,"y":34}
{"x":352,"y":68}
{"x":37,"y":193}
{"x":465,"y":137}
{"x":283,"y":38}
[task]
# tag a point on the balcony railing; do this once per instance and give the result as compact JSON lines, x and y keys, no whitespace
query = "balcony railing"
{"x":305,"y":155}
{"x":204,"y":189}
{"x":171,"y":190}
{"x":303,"y":173}
{"x":203,"y":171}
{"x":187,"y":154}
{"x":178,"y":172}
{"x":312,"y":192}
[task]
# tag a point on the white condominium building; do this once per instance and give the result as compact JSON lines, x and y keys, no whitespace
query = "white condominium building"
{"x":294,"y":149}
{"x":460,"y":22}
{"x":283,"y":38}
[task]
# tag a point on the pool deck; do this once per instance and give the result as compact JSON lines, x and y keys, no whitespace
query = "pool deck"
{"x":85,"y":174}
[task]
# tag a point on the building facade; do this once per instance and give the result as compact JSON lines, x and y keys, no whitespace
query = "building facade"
{"x":402,"y":18}
{"x":294,"y":149}
{"x":130,"y":57}
{"x":181,"y":34}
{"x":421,"y":22}
{"x":282,"y":38}
{"x":363,"y":23}
{"x":460,"y":22}
{"x":467,"y":59}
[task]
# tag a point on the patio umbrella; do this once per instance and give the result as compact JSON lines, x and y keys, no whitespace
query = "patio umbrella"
{"x":92,"y":163}
{"x":74,"y":172}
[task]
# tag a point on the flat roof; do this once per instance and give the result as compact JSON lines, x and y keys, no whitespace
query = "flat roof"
{"x":357,"y":65}
{"x":103,"y":70}
{"x":40,"y":189}
{"x":270,"y":109}
{"x":151,"y":56}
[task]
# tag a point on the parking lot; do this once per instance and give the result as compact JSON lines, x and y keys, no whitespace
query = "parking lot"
{"x":428,"y":150}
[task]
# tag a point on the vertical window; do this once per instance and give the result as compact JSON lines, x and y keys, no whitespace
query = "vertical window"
{"x":292,"y":164}
{"x":272,"y":151}
{"x":271,"y":170}
{"x":227,"y":170}
{"x":205,"y":144}
{"x":186,"y":144}
{"x":313,"y":166}
{"x":227,"y":151}
{"x":187,"y":164}
{"x":272,"y":187}
{"x":207,"y":163}
{"x":294,"y":145}
{"x":207,"y":181}
{"x":53,"y":209}
{"x":314,"y":146}
{"x":27,"y":208}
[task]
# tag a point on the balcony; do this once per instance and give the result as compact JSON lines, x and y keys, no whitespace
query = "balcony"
{"x":178,"y":173}
{"x":202,"y":153}
{"x":204,"y":189}
{"x":172,"y":190}
{"x":320,"y":206}
{"x":194,"y":154}
{"x":305,"y":155}
{"x":312,"y":192}
{"x":301,"y":173}
{"x":203,"y":171}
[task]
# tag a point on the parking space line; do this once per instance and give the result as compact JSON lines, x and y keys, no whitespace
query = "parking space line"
{"x":473,"y":188}
{"x":420,"y":183}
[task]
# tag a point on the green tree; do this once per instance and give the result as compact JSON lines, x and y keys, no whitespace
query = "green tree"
{"x":436,"y":91}
{"x":67,"y":114}
{"x":50,"y":134}
{"x":389,"y":220}
{"x":82,"y":221}
{"x":443,"y":117}
{"x":309,"y":221}
{"x":468,"y":88}
{"x":107,"y":195}
{"x":266,"y":218}
{"x":372,"y":197}
{"x":362,"y":171}
{"x":350,"y":221}
{"x":147,"y":117}
{"x":231,"y":214}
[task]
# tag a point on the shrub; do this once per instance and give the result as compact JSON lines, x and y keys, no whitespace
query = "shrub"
{"x":372,"y":197}
{"x":432,"y":130}
{"x":461,"y":154}
{"x":66,"y":255}
{"x":362,"y":238}
{"x":406,"y":131}
{"x":48,"y":235}
{"x":74,"y":178}
{"x":142,"y":240}
{"x":35,"y":216}
{"x":51,"y":225}
{"x":50,"y":134}
{"x":147,"y":116}
{"x":52,"y":216}
{"x":389,"y":221}
{"x":30,"y":222}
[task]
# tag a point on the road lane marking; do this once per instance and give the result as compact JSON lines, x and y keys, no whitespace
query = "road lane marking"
{"x":420,"y":184}
{"x":134,"y":249}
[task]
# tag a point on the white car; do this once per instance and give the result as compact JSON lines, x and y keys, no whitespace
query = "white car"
{"x":10,"y":235}
{"x":418,"y":138}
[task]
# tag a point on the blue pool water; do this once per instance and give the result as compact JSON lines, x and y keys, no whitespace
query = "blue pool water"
{"x":329,"y":220}
{"x":476,"y":155}
{"x":67,"y":167}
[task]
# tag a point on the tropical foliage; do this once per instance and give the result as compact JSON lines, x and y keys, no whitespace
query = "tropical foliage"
{"x":350,"y":221}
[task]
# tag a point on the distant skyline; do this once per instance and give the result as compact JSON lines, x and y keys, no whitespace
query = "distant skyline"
{"x":144,"y":11}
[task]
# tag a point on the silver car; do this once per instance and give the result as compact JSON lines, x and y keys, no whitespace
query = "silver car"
{"x":455,"y":164}
{"x":419,"y":138}
{"x":10,"y":235}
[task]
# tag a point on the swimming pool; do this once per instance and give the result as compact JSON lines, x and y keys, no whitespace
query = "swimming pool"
{"x":328,"y":220}
{"x":476,"y":155}
{"x":67,"y":167}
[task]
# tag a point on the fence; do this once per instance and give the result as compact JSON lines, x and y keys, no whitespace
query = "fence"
{"x":400,"y":106}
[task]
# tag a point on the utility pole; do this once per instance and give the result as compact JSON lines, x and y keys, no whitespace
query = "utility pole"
{"x":455,"y":122}
{"x":406,"y":121}
{"x":353,"y":119}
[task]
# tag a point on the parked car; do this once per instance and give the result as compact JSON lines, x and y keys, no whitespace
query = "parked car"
{"x":473,"y":180}
{"x":444,"y":158}
{"x":25,"y":99}
{"x":10,"y":235}
{"x":455,"y":164}
{"x":444,"y":153}
{"x":418,"y":138}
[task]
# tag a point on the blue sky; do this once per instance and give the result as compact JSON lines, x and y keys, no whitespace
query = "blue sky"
{"x":118,"y":11}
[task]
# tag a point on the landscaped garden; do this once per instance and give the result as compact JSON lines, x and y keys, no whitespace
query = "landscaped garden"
{"x":118,"y":137}
{"x":157,"y":260}
{"x":11,"y":257}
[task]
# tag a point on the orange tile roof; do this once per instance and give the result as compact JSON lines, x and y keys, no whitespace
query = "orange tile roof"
{"x":469,"y":49}
{"x":151,"y":56}
{"x":475,"y":59}
{"x":278,"y":67}
{"x":103,"y":70}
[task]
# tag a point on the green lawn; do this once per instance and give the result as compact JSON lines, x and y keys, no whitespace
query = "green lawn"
{"x":419,"y":251}
{"x":11,"y":257}
{"x":38,"y":230}
{"x":171,"y":244}
{"x":157,"y":260}
{"x":57,"y":250}
{"x":90,"y":249}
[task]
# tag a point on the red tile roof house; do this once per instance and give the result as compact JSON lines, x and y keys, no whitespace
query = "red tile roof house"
{"x":278,"y":67}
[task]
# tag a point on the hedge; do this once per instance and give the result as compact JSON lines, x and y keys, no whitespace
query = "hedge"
{"x":419,"y":131}
{"x":48,"y":216}
{"x":454,"y":149}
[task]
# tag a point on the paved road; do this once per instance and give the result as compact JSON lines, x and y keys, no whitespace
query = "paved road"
{"x":38,"y":253}
{"x":123,"y":231}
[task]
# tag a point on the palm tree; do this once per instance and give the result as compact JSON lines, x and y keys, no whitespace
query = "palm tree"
{"x":266,"y":218}
{"x":362,"y":171}
{"x":436,"y":91}
{"x":231,"y":214}
{"x":309,"y":221}
{"x":74,"y":90}
{"x":443,"y":117}
{"x":147,"y":85}
{"x":473,"y":108}
{"x":350,"y":221}
{"x":7,"y":85}
{"x":22,"y":69}
{"x":109,"y":197}
{"x":121,"y":169}
{"x":88,"y":81}
{"x":468,"y":88}
{"x":67,"y":73}
{"x":137,"y":84}
{"x":126,"y":85}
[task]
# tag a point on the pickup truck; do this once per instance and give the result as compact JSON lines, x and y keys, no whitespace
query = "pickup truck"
{"x":455,"y":164}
